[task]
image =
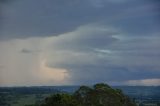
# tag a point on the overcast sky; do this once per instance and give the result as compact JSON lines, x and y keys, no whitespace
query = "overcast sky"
{"x":72,"y":42}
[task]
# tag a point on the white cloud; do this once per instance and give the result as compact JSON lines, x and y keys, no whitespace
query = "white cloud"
{"x":145,"y":82}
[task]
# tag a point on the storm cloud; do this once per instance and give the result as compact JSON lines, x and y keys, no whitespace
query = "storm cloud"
{"x":40,"y":18}
{"x":57,"y":42}
{"x":110,"y":60}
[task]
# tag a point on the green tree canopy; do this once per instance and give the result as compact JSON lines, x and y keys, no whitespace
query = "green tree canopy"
{"x":100,"y":95}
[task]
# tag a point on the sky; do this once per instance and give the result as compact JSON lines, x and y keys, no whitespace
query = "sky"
{"x":73,"y":42}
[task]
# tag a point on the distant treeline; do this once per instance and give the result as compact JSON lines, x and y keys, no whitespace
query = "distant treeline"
{"x":28,"y":90}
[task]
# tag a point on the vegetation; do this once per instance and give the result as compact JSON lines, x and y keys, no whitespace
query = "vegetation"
{"x":99,"y":95}
{"x":29,"y":96}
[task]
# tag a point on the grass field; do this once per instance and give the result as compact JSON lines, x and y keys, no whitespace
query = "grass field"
{"x":22,"y":100}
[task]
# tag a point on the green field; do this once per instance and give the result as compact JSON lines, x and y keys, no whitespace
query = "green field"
{"x":22,"y":100}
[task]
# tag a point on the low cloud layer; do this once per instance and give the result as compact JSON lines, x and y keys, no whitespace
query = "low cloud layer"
{"x":45,"y":42}
{"x":110,"y":60}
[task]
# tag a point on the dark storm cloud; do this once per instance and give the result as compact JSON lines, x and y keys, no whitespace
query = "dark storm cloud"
{"x":94,"y":74}
{"x":88,"y":38}
{"x":39,"y":18}
{"x":104,"y":54}
{"x":93,"y":40}
{"x":5,"y":1}
{"x":27,"y":18}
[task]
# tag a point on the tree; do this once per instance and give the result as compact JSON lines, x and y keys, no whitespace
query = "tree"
{"x":60,"y":100}
{"x":100,"y":95}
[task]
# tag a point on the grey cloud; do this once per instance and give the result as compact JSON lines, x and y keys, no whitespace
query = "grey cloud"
{"x":105,"y":74}
{"x":26,"y":51}
{"x":5,"y":1}
{"x":76,"y":48}
{"x":39,"y":18}
{"x":87,"y":39}
{"x":29,"y":51}
{"x":95,"y":41}
{"x":1,"y":66}
{"x":45,"y":18}
{"x":117,"y":59}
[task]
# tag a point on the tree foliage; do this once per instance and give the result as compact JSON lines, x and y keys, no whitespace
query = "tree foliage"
{"x":100,"y":95}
